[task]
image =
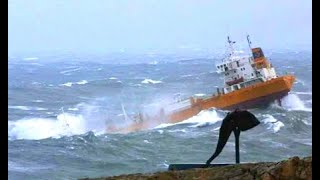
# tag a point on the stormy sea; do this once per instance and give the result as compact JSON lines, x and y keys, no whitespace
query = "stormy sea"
{"x":60,"y":105}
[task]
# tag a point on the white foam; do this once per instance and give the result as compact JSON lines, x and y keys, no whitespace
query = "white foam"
{"x":70,"y":70}
{"x":292,"y":102}
{"x":154,"y":63}
{"x":164,"y":125}
{"x":146,"y":141}
{"x":150,"y":81}
{"x":200,"y":94}
{"x":113,"y":78}
{"x":68,"y":84}
{"x":178,"y":130}
{"x":304,"y":93}
{"x":40,"y":128}
{"x":73,"y":109}
{"x":82,"y":82}
{"x":306,"y":122}
{"x":39,"y":108}
{"x":300,"y":81}
{"x":204,"y":118}
{"x":272,"y":123}
{"x":27,"y":108}
{"x":30,"y":58}
{"x":19,"y":107}
{"x":187,"y":75}
{"x":216,"y":129}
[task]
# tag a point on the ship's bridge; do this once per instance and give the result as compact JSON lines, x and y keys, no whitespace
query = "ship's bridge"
{"x":232,"y":62}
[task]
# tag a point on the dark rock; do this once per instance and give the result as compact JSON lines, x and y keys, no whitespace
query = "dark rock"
{"x":293,"y":168}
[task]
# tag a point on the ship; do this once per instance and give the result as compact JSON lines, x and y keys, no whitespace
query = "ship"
{"x":250,"y":81}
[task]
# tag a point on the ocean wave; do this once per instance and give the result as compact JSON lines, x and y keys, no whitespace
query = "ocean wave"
{"x":150,"y":81}
{"x":30,"y":58}
{"x":153,"y":63}
{"x":69,"y":84}
{"x":272,"y":123}
{"x":70,"y":70}
{"x":200,"y":94}
{"x":27,"y":108}
{"x":304,"y":93}
{"x":73,"y":109}
{"x":204,"y":118}
{"x":187,"y":75}
{"x":64,"y":124}
{"x":292,"y":102}
{"x":38,"y":100}
{"x":82,"y":82}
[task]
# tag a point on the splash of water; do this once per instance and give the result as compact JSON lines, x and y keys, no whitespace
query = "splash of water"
{"x":65,"y":124}
{"x":204,"y":118}
{"x":273,"y":123}
{"x":292,"y":102}
{"x":40,"y":128}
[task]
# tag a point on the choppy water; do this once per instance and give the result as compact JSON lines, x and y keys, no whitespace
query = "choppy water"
{"x":58,"y":110}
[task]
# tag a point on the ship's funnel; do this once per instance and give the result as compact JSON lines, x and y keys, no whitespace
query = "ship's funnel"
{"x":257,"y":53}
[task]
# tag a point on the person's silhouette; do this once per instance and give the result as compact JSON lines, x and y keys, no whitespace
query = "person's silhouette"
{"x":235,"y":121}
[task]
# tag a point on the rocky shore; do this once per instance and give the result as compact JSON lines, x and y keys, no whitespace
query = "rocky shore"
{"x":293,"y":168}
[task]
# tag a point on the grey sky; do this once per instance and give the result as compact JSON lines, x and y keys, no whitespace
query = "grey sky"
{"x":160,"y":25}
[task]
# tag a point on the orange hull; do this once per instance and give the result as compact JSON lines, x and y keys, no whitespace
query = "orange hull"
{"x":251,"y":96}
{"x":248,"y":97}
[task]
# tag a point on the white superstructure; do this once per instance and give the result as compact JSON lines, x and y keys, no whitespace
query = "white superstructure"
{"x":240,"y":70}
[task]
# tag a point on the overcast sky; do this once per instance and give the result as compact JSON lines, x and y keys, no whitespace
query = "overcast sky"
{"x":155,"y":25}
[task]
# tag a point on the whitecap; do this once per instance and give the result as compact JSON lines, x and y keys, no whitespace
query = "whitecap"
{"x":82,"y":82}
{"x":154,"y":63}
{"x":273,"y":123}
{"x":200,"y":94}
{"x":27,"y":108}
{"x":150,"y":81}
{"x":70,"y":70}
{"x":73,"y":109}
{"x":292,"y":102}
{"x":146,"y":141}
{"x":41,"y":128}
{"x":68,"y":84}
{"x":304,"y":93}
{"x":64,"y":124}
{"x":30,"y":58}
{"x":204,"y":118}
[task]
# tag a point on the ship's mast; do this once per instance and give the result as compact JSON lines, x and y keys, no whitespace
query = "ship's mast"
{"x":231,"y":49}
{"x":249,"y":42}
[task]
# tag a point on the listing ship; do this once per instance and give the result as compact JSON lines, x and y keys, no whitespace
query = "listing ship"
{"x":250,"y":81}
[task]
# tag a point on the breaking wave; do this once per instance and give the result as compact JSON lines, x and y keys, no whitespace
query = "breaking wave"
{"x":272,"y":123}
{"x":292,"y":102}
{"x":150,"y":81}
{"x":204,"y":118}
{"x":69,"y":84}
